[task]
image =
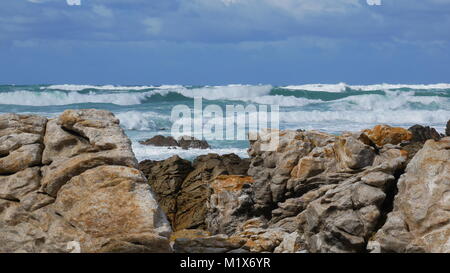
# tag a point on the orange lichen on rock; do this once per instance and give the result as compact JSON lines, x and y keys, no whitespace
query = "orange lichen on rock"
{"x":385,"y":134}
{"x":230,"y":183}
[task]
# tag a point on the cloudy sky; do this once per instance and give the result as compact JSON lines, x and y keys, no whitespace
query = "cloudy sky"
{"x":224,"y":41}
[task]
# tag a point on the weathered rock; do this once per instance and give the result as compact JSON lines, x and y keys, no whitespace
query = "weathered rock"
{"x":166,"y":177}
{"x":13,"y":124}
{"x":96,"y":139}
{"x":116,"y":203}
{"x":384,"y":134}
{"x":272,"y":170}
{"x":230,"y":203}
{"x":291,"y":243}
{"x":195,"y":190}
{"x":161,"y":141}
{"x":87,"y":197}
{"x":187,"y":142}
{"x":15,"y":187}
{"x":421,"y":133}
{"x":420,"y":219}
{"x":200,"y":241}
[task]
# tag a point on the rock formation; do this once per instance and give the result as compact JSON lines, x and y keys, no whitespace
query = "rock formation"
{"x":72,"y":184}
{"x":420,"y":221}
{"x":183,"y":190}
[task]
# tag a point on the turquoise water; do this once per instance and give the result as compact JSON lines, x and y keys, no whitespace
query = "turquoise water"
{"x":145,"y":111}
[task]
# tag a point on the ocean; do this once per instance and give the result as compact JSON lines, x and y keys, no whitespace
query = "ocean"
{"x":145,"y":111}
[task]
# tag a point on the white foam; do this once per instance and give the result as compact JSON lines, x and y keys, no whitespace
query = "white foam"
{"x":143,"y":152}
{"x":141,"y":121}
{"x":341,"y":87}
{"x":47,"y":98}
{"x":78,"y":87}
{"x":391,"y":117}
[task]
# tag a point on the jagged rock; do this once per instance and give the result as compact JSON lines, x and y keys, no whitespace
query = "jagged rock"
{"x":87,"y":197}
{"x":421,"y":133}
{"x":166,"y":177}
{"x":420,"y":219}
{"x":229,"y":204}
{"x":20,"y":142}
{"x":384,"y":134}
{"x":272,"y":170}
{"x":291,"y":243}
{"x":161,"y":141}
{"x":187,"y":142}
{"x":262,"y":239}
{"x":195,"y":190}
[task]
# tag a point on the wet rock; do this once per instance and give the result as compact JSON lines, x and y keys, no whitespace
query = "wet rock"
{"x":161,"y":141}
{"x":423,"y":133}
{"x":187,"y":142}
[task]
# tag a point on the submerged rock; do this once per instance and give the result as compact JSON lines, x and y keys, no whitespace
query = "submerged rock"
{"x":72,"y":184}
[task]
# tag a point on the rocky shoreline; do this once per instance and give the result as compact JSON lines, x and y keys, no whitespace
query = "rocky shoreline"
{"x":74,"y":182}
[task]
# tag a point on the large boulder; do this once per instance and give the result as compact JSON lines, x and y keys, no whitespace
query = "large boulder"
{"x":385,"y":134}
{"x":71,"y":184}
{"x":420,"y":219}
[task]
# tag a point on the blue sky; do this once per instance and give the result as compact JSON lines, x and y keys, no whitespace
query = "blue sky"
{"x":216,"y":42}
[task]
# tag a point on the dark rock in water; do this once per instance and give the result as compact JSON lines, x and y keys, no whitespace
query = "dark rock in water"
{"x":447,"y":131}
{"x":187,"y":142}
{"x":422,"y":134}
{"x":160,"y":141}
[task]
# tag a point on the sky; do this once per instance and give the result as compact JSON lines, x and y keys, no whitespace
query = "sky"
{"x":217,"y":42}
